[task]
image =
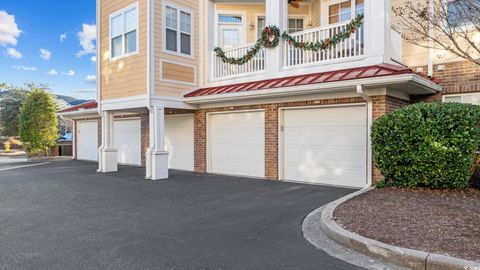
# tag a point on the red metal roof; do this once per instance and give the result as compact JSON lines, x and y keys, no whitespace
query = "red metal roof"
{"x":84,"y":106}
{"x":323,"y":77}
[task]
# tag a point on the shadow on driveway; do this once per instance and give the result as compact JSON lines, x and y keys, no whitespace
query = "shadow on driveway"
{"x":63,"y":215}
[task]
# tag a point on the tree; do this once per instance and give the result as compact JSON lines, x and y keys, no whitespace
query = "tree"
{"x":9,"y":106}
{"x":38,"y":122}
{"x":452,"y":26}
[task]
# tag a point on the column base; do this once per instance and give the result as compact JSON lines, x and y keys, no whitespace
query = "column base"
{"x":159,"y":163}
{"x":108,"y":160}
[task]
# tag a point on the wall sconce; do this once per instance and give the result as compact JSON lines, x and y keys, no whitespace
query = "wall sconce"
{"x":309,"y":24}
{"x":251,"y":26}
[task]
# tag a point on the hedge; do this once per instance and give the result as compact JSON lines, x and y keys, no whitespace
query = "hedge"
{"x":427,"y":145}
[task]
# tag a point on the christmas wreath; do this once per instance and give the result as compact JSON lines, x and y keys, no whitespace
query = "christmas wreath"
{"x":269,"y":39}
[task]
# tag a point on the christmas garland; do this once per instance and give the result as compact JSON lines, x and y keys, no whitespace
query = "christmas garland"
{"x":350,"y":29}
{"x":271,"y":37}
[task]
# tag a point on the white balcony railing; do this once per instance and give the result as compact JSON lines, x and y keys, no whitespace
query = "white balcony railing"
{"x":352,"y":47}
{"x":349,"y":49}
{"x":225,"y":70}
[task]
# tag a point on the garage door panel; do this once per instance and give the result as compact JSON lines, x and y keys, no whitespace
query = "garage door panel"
{"x":87,"y":140}
{"x":237,"y":143}
{"x":127,"y":141}
{"x":325,"y":145}
{"x":179,"y":141}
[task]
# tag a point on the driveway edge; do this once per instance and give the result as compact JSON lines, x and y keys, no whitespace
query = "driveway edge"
{"x":410,"y":258}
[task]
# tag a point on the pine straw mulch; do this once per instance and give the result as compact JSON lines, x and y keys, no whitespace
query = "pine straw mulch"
{"x":438,"y":221}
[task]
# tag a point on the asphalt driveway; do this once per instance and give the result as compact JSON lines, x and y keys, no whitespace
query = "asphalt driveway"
{"x":63,"y":215}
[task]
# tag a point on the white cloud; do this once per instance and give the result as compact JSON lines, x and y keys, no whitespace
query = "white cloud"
{"x":9,"y":31}
{"x":45,"y":54}
{"x":14,"y":53}
{"x":69,"y":73}
{"x":52,"y":72}
{"x":91,"y":79}
{"x":93,"y":59}
{"x":63,"y":37}
{"x":24,"y":68}
{"x":87,"y":38}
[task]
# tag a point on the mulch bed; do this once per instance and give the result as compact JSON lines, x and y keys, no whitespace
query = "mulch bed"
{"x":437,"y":221}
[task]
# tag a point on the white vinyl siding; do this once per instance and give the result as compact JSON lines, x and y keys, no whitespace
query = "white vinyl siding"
{"x":236,"y":143}
{"x":178,"y":30}
{"x":124,"y":32}
{"x":325,"y":145}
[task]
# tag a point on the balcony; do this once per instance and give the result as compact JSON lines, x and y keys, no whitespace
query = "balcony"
{"x":235,"y":28}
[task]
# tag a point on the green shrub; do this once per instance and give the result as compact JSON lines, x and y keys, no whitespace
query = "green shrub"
{"x":427,"y":145}
{"x":38,"y":122}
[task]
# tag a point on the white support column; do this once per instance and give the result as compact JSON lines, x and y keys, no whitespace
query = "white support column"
{"x":159,"y":157}
{"x":276,"y":14}
{"x":74,"y":139}
{"x":108,"y":154}
{"x":377,"y":28}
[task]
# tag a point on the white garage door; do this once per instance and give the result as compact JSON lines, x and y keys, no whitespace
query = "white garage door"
{"x":127,"y":140}
{"x":87,"y":140}
{"x":236,"y":143}
{"x":325,"y":145}
{"x":179,"y":141}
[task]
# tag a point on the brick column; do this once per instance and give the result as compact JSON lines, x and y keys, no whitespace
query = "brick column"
{"x":200,"y":140}
{"x":271,"y":142}
{"x":145,"y":136}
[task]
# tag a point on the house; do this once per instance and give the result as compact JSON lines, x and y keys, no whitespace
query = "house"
{"x":168,"y":100}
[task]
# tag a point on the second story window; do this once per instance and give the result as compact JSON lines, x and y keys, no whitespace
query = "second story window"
{"x":178,"y":31}
{"x":123,"y":32}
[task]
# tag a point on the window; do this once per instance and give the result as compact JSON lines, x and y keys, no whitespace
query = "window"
{"x":261,"y":24}
{"x":465,"y":98}
{"x":359,"y":7}
{"x":340,"y":12}
{"x":295,"y":25}
{"x":229,"y":19}
{"x":123,"y":32}
{"x":456,"y":13}
{"x":178,"y":30}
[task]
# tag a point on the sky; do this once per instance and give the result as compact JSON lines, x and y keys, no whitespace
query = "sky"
{"x":49,"y":41}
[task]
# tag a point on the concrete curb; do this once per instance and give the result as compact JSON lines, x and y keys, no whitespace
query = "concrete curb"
{"x":57,"y":158}
{"x":412,"y":259}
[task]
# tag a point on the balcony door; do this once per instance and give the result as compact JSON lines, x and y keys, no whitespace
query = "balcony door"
{"x":231,"y":31}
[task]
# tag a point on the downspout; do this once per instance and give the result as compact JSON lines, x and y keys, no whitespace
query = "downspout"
{"x":150,"y":83}
{"x":99,"y":81}
{"x":431,"y":14}
{"x":369,"y":130}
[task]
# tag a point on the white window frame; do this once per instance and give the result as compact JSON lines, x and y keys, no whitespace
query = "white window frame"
{"x":324,"y":16}
{"x":461,"y":96}
{"x":192,"y":30}
{"x":115,"y":14}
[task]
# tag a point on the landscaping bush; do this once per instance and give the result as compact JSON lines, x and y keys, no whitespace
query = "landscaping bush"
{"x":427,"y":145}
{"x":38,"y":122}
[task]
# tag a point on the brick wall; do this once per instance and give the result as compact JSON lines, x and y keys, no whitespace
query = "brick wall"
{"x":457,"y":77}
{"x":271,"y":130}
